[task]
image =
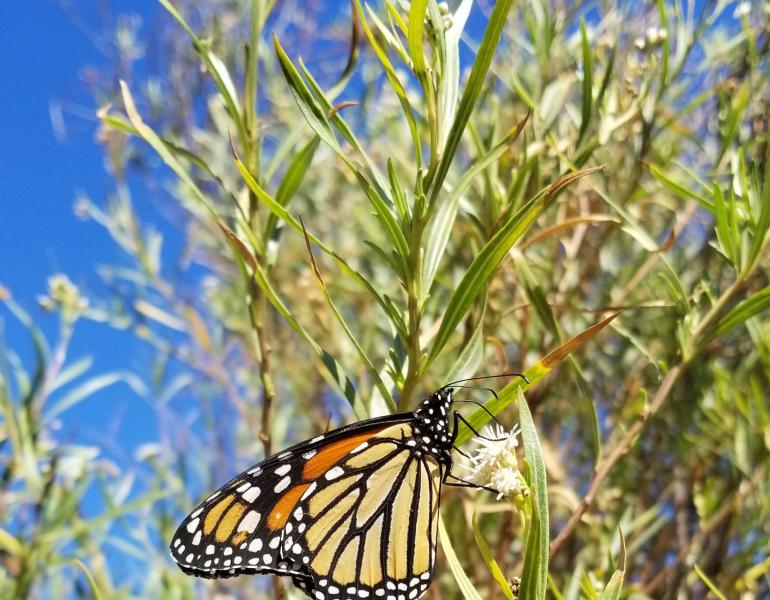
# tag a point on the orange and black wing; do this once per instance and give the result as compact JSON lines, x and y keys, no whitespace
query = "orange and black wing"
{"x":244,"y":526}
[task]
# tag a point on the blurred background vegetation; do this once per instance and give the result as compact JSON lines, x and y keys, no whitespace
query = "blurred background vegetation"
{"x":431,"y":168}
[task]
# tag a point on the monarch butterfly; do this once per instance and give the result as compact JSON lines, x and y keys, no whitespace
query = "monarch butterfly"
{"x":352,"y":514}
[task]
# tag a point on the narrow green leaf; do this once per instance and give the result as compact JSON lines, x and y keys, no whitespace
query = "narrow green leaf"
{"x":10,"y":544}
{"x":535,"y":373}
{"x":216,"y":68}
{"x":443,"y":218}
{"x":471,"y":93}
{"x":398,"y":87}
{"x":91,"y":581}
{"x":490,"y":561}
{"x":480,"y":271}
{"x":416,"y":32}
{"x":449,"y":84}
{"x":723,"y":229}
{"x":334,"y":115}
{"x":273,"y":205}
{"x":472,"y":354}
{"x":399,"y":198}
{"x":762,"y":222}
{"x":89,"y":388}
{"x":535,"y":571}
{"x":710,"y":584}
{"x":486,"y":261}
{"x":341,"y":320}
{"x":292,"y":179}
{"x":588,"y":81}
{"x":339,"y":376}
{"x":463,"y":583}
{"x":739,"y":314}
{"x":681,"y":191}
{"x":307,"y":105}
{"x":536,"y":296}
{"x":386,"y":216}
{"x":615,"y":585}
{"x":71,"y":372}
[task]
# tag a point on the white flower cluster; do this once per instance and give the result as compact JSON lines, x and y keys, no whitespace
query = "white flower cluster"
{"x":494,"y":463}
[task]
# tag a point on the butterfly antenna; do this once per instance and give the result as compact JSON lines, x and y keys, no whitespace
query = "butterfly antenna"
{"x":489,"y":377}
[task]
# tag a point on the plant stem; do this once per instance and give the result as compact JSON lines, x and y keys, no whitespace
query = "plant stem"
{"x":413,"y":291}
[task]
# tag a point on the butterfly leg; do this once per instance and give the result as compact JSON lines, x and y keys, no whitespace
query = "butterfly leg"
{"x":462,"y":483}
{"x":463,"y":452}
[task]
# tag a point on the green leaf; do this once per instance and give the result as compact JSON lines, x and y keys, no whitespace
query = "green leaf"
{"x":681,"y":191}
{"x":91,"y":581}
{"x":710,"y":584}
{"x":588,"y":82}
{"x":273,"y":205}
{"x":535,"y":373}
{"x":390,"y":72}
{"x":536,"y":296}
{"x":341,"y":320}
{"x":71,"y":372}
{"x":443,"y":218}
{"x":739,"y":314}
{"x":399,"y":198}
{"x":481,"y":269}
{"x":471,"y":93}
{"x":449,"y":84}
{"x":724,"y":227}
{"x":762,"y":226}
{"x":292,"y":179}
{"x":463,"y":583}
{"x":615,"y":585}
{"x":416,"y":32}
{"x":472,"y":354}
{"x":218,"y":71}
{"x":10,"y":544}
{"x":339,"y":376}
{"x":386,"y":216}
{"x":489,"y":560}
{"x":89,"y":388}
{"x":534,"y":576}
{"x":313,"y":113}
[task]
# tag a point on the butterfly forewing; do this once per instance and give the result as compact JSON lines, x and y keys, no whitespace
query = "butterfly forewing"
{"x":240,"y":528}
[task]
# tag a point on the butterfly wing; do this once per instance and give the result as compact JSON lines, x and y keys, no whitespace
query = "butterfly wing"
{"x":240,"y":528}
{"x":366,"y":528}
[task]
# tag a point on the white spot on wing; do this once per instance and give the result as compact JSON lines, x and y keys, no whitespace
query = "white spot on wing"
{"x":283,"y":469}
{"x":283,"y":484}
{"x":249,"y":522}
{"x":193,"y":525}
{"x":334,"y":473}
{"x":251,"y":494}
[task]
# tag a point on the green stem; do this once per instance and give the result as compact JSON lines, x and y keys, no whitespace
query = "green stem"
{"x":413,"y":291}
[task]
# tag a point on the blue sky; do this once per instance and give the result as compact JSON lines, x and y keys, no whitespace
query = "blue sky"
{"x":42,"y":169}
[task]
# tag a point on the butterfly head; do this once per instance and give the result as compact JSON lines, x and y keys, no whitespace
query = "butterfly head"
{"x":431,"y":423}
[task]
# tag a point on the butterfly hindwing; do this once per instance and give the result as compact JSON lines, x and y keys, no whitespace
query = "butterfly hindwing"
{"x":240,"y":527}
{"x":367,"y":528}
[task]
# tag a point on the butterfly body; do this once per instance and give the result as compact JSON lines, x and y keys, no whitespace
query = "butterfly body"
{"x":352,"y":514}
